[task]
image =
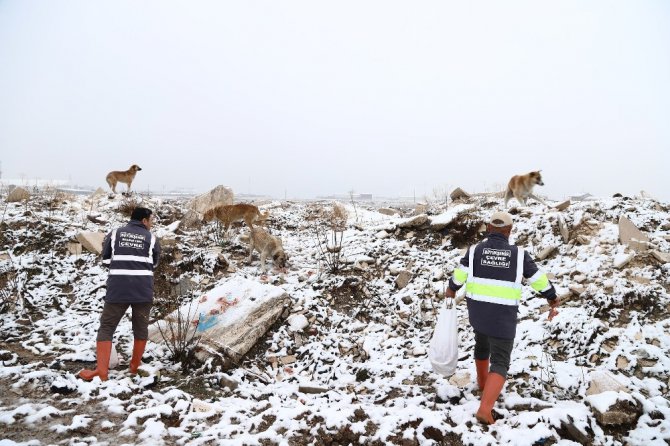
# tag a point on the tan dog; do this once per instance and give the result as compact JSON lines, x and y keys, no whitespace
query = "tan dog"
{"x":122,"y":176}
{"x":230,"y":213}
{"x":521,"y":187}
{"x":267,"y":245}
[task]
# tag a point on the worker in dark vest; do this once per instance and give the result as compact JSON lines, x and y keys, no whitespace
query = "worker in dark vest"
{"x":131,"y":252}
{"x":492,"y":272}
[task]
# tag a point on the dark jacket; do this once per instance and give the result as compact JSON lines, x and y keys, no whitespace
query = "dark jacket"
{"x":132,"y":253}
{"x":496,"y":259}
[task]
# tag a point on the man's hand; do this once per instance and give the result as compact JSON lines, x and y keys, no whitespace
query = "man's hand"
{"x":450,"y":293}
{"x":552,"y":310}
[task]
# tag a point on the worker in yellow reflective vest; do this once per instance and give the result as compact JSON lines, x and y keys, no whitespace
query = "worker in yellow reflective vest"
{"x":492,"y":272}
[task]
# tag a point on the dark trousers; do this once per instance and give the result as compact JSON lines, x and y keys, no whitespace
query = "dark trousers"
{"x":112,"y":314}
{"x":497,"y":350}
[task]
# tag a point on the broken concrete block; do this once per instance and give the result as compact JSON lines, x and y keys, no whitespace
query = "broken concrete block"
{"x":604,"y":381}
{"x":563,"y":206}
{"x":629,"y":234}
{"x":460,"y":379}
{"x":622,"y":363}
{"x":403,"y":279}
{"x":229,"y":319}
{"x":546,"y":252}
{"x":622,"y":260}
{"x":662,"y":257}
{"x":614,"y":408}
{"x":459,"y":194}
{"x":17,"y":194}
{"x":91,"y":241}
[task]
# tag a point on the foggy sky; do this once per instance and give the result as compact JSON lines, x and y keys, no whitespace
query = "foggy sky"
{"x":308,"y":98}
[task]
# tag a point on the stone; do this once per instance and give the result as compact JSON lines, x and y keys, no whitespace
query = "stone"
{"x":662,"y":257}
{"x":622,"y":260}
{"x":576,"y":289}
{"x":459,"y":194}
{"x":220,"y":195}
{"x":382,"y":234}
{"x":297,"y":322}
{"x":618,"y":409}
{"x":403,"y":279}
{"x":228,"y":382}
{"x":545,"y":252}
{"x":630,"y":235}
{"x":414,"y":222}
{"x":17,"y":194}
{"x":420,"y":208}
{"x":312,"y":389}
{"x":460,"y":379}
{"x":622,"y":363}
{"x":563,"y":227}
{"x":604,"y":381}
{"x":562,"y":206}
{"x":91,"y":241}
{"x":582,"y":240}
{"x":74,"y":248}
{"x":387,"y":211}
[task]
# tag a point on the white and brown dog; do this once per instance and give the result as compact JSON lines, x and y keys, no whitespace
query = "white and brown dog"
{"x":268,"y":246}
{"x":122,"y":176}
{"x":521,"y":187}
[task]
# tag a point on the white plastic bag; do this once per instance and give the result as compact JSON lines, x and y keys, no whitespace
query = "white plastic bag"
{"x":443,"y":349}
{"x":113,"y":357}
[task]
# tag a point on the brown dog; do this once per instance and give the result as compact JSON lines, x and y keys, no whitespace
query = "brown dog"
{"x":521,"y":187}
{"x":122,"y":176}
{"x":267,"y":245}
{"x":229,"y":213}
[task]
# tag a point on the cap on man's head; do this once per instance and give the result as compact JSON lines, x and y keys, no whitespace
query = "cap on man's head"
{"x":140,"y":213}
{"x":500,"y":219}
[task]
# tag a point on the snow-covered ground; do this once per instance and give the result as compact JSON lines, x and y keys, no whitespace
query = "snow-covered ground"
{"x":358,"y":373}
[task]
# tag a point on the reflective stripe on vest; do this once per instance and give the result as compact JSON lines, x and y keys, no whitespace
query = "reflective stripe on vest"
{"x":460,"y":275}
{"x":130,"y":272}
{"x":495,"y":291}
{"x":539,"y":281}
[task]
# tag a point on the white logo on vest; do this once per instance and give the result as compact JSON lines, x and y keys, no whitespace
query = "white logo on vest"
{"x":497,"y":258}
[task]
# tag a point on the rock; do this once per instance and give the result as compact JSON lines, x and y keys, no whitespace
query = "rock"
{"x":382,"y":234}
{"x":4,"y":255}
{"x":415,"y":222}
{"x":630,"y":235}
{"x":579,"y":278}
{"x":297,"y":322}
{"x":546,"y":252}
{"x":312,"y":389}
{"x":459,"y":194}
{"x":91,"y":241}
{"x":218,"y":196}
{"x":622,"y":363}
{"x":403,"y":279}
{"x":418,"y":351}
{"x":407,"y":300}
{"x":622,"y":260}
{"x":576,"y":289}
{"x":563,"y":227}
{"x":226,"y":381}
{"x":460,"y":379}
{"x":420,"y":208}
{"x":582,"y":240}
{"x":614,"y":408}
{"x":662,"y":257}
{"x":387,"y":211}
{"x":17,"y":194}
{"x":562,"y":206}
{"x":74,"y":248}
{"x":604,"y":381}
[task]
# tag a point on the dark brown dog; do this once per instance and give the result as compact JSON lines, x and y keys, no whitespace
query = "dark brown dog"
{"x":122,"y":176}
{"x":521,"y":187}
